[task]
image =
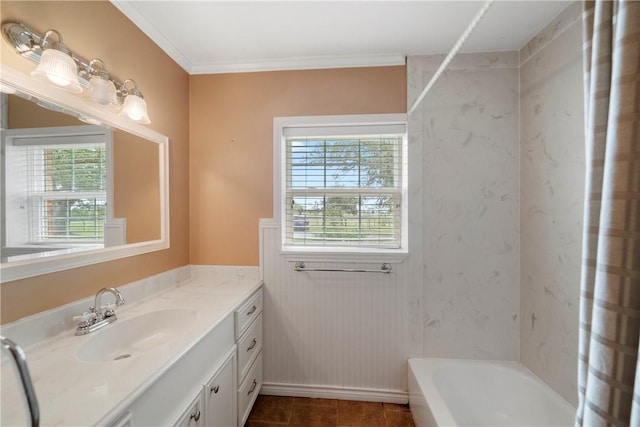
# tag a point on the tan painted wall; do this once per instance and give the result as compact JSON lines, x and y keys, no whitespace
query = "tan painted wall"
{"x":22,"y":113}
{"x":136,"y":186}
{"x":98,"y":29}
{"x":231,"y":142}
{"x":231,"y":145}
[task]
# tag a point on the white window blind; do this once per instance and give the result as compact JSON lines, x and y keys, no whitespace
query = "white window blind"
{"x":343,"y":186}
{"x":61,"y":188}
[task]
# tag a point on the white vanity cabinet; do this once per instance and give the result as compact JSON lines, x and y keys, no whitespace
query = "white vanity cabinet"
{"x":248,"y":333}
{"x":248,"y":391}
{"x":167,"y":400}
{"x":220,"y":399}
{"x":215,"y":405}
{"x":213,"y":384}
{"x":181,"y":332}
{"x":192,"y":416}
{"x":248,"y":312}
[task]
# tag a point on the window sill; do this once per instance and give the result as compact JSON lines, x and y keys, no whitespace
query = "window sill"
{"x":333,"y":254}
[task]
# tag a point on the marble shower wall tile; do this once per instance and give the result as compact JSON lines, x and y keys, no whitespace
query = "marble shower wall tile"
{"x":468,"y":125}
{"x":552,"y":187}
{"x":568,"y":18}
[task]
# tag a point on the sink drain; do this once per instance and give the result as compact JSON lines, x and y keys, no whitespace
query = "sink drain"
{"x":122,"y":356}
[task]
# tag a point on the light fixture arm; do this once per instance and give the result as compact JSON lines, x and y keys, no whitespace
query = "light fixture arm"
{"x":45,"y":39}
{"x":132,"y":91}
{"x":92,"y":69}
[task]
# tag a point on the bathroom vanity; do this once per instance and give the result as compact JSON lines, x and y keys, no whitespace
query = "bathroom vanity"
{"x":190,"y":355}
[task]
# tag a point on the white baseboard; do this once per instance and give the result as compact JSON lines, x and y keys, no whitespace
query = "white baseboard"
{"x":341,"y":393}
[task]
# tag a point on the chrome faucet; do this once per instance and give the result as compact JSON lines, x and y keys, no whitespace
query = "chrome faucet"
{"x":108,"y":309}
{"x":99,"y":315}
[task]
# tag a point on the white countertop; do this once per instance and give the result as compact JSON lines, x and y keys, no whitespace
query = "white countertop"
{"x":75,"y":393}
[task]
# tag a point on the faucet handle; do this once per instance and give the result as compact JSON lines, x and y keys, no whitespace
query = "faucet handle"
{"x":85,"y":317}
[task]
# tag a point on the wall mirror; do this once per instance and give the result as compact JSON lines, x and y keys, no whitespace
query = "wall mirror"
{"x":78,"y":184}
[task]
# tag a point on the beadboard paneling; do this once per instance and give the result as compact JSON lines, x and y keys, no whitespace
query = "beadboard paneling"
{"x":337,"y":329}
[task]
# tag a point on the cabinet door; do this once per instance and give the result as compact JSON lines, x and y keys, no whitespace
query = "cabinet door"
{"x":193,"y":416}
{"x":220,"y":396}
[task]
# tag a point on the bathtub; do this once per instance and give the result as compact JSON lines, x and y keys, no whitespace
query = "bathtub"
{"x":452,"y":392}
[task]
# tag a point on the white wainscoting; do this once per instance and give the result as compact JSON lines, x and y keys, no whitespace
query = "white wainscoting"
{"x":336,"y":334}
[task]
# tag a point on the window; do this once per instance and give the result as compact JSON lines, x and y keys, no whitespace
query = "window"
{"x":56,"y":185}
{"x":343,"y":183}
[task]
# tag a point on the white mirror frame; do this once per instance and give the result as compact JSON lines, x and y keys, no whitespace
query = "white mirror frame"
{"x":13,"y":79}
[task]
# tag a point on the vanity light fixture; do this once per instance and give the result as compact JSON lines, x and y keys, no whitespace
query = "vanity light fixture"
{"x":101,"y":88}
{"x":70,"y":72}
{"x":56,"y":64}
{"x":134,"y":106}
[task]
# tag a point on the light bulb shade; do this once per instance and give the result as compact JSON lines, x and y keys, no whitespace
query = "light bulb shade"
{"x":58,"y":68}
{"x":135,"y":108}
{"x":102,"y":91}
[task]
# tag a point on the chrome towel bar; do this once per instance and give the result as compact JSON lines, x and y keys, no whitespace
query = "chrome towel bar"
{"x":386,"y":268}
{"x":21,"y":364}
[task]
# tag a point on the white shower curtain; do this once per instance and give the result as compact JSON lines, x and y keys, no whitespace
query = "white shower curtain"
{"x":609,"y":376}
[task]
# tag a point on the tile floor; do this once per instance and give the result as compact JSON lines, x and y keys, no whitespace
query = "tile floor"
{"x":277,"y":411}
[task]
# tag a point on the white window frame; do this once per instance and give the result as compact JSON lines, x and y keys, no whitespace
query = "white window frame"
{"x":336,"y":253}
{"x":22,"y":236}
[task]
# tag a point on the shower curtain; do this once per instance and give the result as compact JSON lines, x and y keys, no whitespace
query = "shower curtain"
{"x":608,"y":372}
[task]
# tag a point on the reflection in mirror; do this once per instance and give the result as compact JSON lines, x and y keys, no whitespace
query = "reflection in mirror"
{"x":70,"y":185}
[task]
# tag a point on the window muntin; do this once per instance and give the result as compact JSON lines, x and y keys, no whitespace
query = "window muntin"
{"x":67,"y":192}
{"x":343,"y":191}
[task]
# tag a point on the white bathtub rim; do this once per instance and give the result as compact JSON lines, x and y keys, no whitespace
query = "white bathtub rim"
{"x":443,"y":416}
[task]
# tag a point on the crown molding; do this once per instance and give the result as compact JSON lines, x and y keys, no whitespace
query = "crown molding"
{"x":132,"y":13}
{"x":298,"y":63}
{"x":129,"y":9}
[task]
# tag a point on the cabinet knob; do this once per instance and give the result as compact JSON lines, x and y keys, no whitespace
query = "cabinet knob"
{"x":253,"y":310}
{"x":253,"y":344}
{"x":195,"y":416}
{"x":215,"y":389}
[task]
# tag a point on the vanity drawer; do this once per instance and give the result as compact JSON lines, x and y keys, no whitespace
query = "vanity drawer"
{"x":247,"y":312}
{"x":249,"y":389}
{"x":249,"y":346}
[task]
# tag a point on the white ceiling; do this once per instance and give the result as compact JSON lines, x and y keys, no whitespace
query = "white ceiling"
{"x":235,"y":36}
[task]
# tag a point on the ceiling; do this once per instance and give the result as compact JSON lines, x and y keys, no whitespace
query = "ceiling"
{"x":237,"y":36}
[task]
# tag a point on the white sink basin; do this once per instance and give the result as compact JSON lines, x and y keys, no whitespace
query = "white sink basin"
{"x":127,"y":338}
